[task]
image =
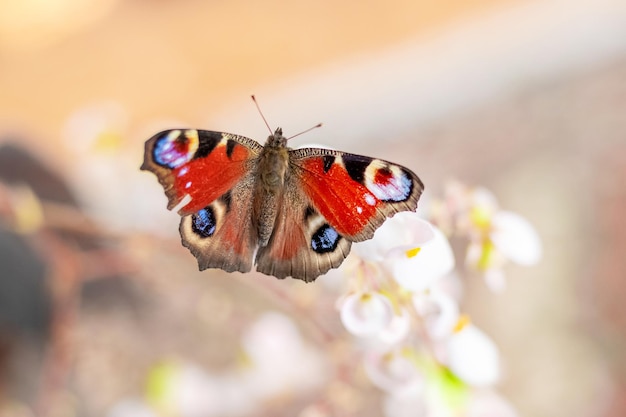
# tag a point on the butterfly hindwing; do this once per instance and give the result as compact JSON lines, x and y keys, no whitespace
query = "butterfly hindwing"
{"x":303,"y":245}
{"x":222,"y":235}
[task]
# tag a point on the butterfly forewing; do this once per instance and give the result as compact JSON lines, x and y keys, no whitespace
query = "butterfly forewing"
{"x":354,"y":193}
{"x":199,"y":163}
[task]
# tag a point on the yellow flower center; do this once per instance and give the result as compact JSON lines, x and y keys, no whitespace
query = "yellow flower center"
{"x":480,"y":216}
{"x":413,"y":252}
{"x":461,"y":323}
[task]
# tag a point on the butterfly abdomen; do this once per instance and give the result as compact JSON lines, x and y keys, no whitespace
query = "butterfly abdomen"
{"x":272,"y":170}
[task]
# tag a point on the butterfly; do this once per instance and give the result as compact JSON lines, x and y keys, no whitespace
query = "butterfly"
{"x":295,"y":212}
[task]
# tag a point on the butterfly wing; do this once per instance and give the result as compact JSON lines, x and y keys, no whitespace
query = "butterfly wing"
{"x":354,"y":193}
{"x":332,"y":199}
{"x":216,"y":171}
{"x":302,"y":244}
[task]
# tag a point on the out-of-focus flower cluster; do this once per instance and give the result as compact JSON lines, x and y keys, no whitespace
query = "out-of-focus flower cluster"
{"x":273,"y":365}
{"x":400,"y":307}
{"x":403,"y":305}
{"x":496,"y":236}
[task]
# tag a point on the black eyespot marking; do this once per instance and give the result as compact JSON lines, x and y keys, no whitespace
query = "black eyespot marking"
{"x":230,"y":147}
{"x":208,"y":142}
{"x":325,"y":239}
{"x":203,"y":223}
{"x":329,"y":160}
{"x":308,"y":212}
{"x":227,"y":199}
{"x":356,"y":166}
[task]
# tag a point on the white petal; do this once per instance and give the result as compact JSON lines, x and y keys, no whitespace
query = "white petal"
{"x":393,"y":372}
{"x":194,"y":393}
{"x":516,"y":238}
{"x":366,"y":314}
{"x":270,"y":336}
{"x":281,"y":361}
{"x":473,"y":357}
{"x":483,"y":198}
{"x":439,"y":311}
{"x":495,"y":280}
{"x":405,"y":230}
{"x":434,"y":260}
{"x":397,"y":329}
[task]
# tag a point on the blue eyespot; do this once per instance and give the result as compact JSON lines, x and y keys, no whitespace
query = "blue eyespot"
{"x":203,"y":222}
{"x":325,"y":239}
{"x":171,"y":151}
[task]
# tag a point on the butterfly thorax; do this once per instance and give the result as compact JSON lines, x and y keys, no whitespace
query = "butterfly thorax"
{"x":272,"y":171}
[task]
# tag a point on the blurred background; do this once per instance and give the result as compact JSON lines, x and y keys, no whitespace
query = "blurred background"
{"x":98,"y":299}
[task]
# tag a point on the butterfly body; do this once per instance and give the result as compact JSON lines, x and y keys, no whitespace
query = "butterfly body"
{"x":299,"y":209}
{"x":272,"y":170}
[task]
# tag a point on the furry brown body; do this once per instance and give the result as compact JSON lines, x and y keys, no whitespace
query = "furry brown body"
{"x":270,"y":183}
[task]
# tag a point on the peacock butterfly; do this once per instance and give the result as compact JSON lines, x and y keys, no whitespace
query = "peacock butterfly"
{"x":300,"y":209}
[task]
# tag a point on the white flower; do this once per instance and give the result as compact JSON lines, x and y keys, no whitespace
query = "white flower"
{"x":411,"y":249}
{"x":184,"y":388}
{"x":366,"y":314}
{"x":393,"y":371}
{"x":396,"y":330}
{"x":404,"y":231}
{"x":439,"y":311}
{"x":280,"y":362}
{"x":418,"y":268}
{"x":515,"y":238}
{"x":500,"y":237}
{"x":473,"y":356}
{"x":195,"y":392}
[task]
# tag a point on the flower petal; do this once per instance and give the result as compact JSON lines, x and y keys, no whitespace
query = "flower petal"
{"x":404,"y":231}
{"x":473,"y":357}
{"x":417,"y":271}
{"x":393,"y":372}
{"x":439,"y":311}
{"x":366,"y":314}
{"x":397,"y":329}
{"x":516,"y":238}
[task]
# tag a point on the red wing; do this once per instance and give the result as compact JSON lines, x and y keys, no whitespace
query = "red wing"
{"x":199,"y":163}
{"x":355,"y":194}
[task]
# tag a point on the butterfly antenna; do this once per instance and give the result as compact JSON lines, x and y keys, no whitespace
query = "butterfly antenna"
{"x":261,"y":113}
{"x":304,"y":131}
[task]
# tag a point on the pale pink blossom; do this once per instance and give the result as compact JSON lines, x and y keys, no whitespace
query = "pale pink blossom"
{"x":366,"y":313}
{"x":394,"y":371}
